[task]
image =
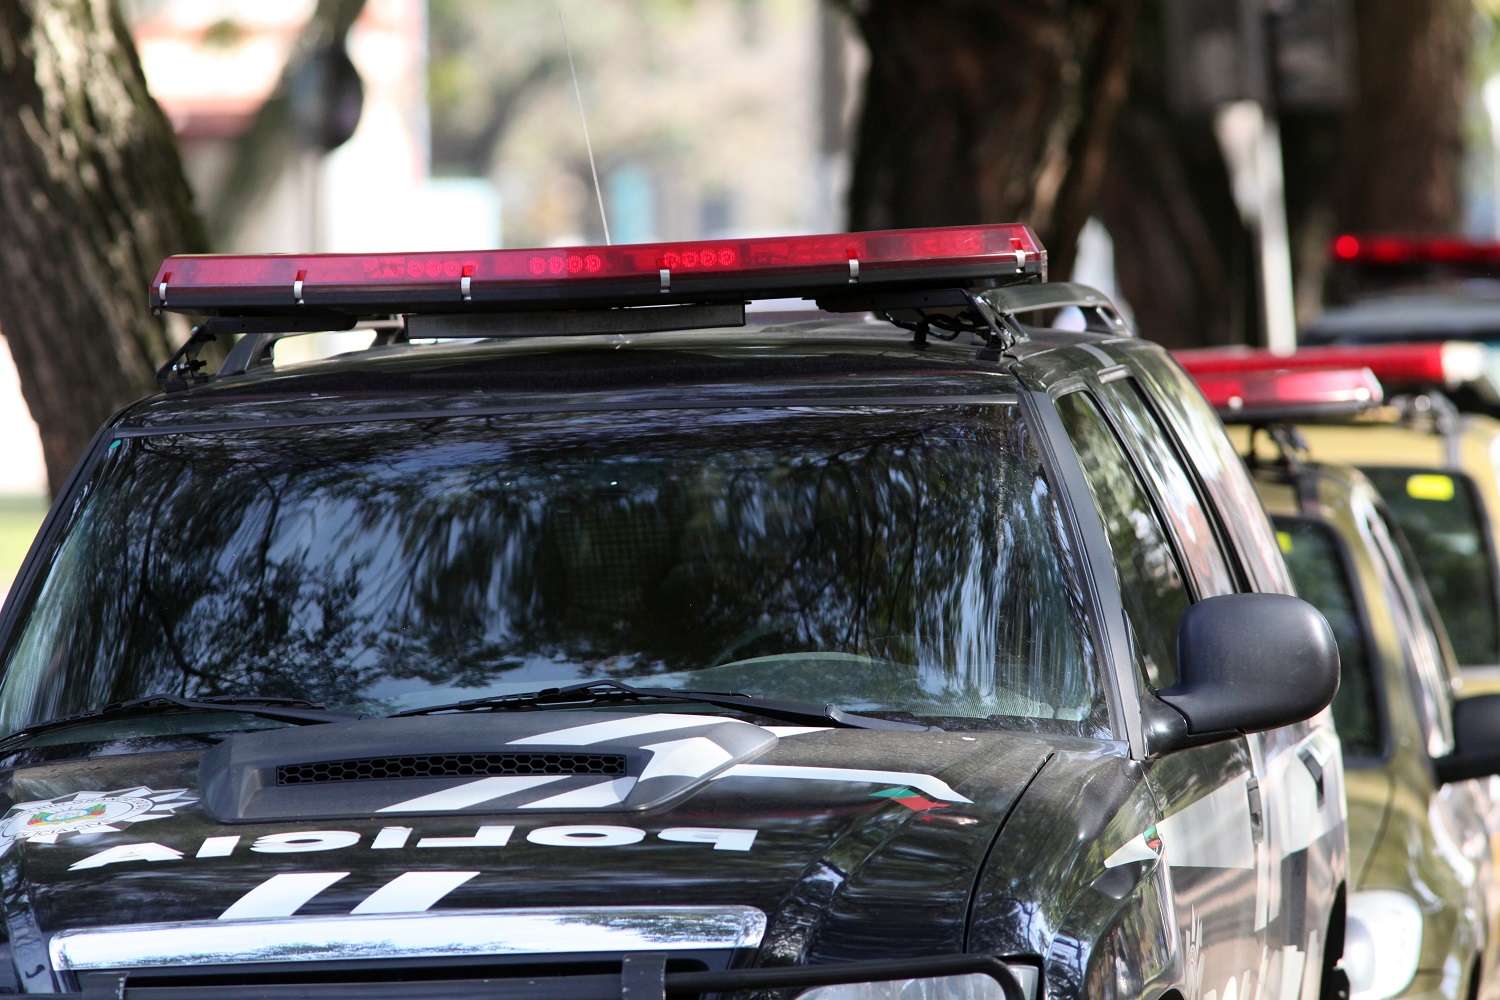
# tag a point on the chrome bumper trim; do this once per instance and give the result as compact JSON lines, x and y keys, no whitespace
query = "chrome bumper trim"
{"x":466,"y":933}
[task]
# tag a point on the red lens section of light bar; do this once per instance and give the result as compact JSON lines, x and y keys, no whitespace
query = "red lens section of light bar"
{"x":1008,"y":247}
{"x":1445,"y":364}
{"x":1400,"y":251}
{"x":1310,"y":389}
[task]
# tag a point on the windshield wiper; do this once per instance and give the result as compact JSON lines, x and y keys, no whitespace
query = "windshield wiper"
{"x":613,"y":692}
{"x":293,"y":710}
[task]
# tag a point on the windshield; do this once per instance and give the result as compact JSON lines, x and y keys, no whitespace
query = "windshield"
{"x":1315,"y":556}
{"x":1441,"y":516}
{"x":902,"y":560}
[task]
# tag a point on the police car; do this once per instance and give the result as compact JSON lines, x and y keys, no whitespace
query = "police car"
{"x":1438,"y":469}
{"x":583,"y":636}
{"x":1424,"y":914}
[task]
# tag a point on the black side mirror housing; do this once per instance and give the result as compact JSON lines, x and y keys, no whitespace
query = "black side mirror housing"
{"x":1476,"y":739}
{"x":1247,"y":663}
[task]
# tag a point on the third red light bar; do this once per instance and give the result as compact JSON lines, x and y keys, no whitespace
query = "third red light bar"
{"x":1403,"y":251}
{"x":567,"y":277}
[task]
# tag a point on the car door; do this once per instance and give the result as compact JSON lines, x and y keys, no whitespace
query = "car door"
{"x":1212,"y":827}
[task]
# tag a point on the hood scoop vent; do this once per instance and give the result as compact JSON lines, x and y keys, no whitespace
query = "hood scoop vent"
{"x":449,"y":765}
{"x":495,"y":763}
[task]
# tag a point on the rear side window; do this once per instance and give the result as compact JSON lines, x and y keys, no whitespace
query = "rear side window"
{"x":1317,"y":560}
{"x":1442,"y":518}
{"x":1151,"y":582}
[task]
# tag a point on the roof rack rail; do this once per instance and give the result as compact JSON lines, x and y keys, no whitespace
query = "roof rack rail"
{"x":1100,"y":314}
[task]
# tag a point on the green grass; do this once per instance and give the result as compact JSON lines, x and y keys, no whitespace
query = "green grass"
{"x":20,"y":516}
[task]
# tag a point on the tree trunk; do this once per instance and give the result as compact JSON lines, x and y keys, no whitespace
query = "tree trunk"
{"x":1391,"y":162}
{"x":1183,"y":259}
{"x":977,"y":111}
{"x":93,"y":197}
{"x":1400,"y":159}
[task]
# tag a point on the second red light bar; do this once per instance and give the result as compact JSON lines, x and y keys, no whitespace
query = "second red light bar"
{"x":1447,"y":364}
{"x":1289,"y":394}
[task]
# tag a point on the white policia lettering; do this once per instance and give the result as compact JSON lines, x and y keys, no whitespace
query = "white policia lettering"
{"x":398,"y":837}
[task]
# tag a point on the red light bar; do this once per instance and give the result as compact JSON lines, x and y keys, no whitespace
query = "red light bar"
{"x":1447,"y":364}
{"x":1292,"y":394}
{"x":569,"y":277}
{"x":1403,"y":251}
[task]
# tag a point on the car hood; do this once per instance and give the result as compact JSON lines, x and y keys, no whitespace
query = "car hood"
{"x":794,"y":839}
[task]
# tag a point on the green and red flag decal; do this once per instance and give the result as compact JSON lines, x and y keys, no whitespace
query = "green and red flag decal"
{"x":912,"y":800}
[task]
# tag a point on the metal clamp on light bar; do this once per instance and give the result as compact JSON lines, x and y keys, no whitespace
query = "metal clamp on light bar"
{"x":184,"y":367}
{"x":581,"y":277}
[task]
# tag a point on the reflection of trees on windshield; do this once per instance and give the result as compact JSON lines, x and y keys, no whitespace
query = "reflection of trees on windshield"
{"x":320,"y":562}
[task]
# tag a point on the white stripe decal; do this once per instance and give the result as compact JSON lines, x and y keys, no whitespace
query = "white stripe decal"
{"x":598,"y":732}
{"x":413,"y":892}
{"x":689,"y":758}
{"x":471,"y":793}
{"x":485,"y":836}
{"x":1212,"y":832}
{"x":935,"y":787}
{"x":1134,"y":849}
{"x":782,"y":732}
{"x":596,"y":796}
{"x":218,"y":847}
{"x":281,"y":895}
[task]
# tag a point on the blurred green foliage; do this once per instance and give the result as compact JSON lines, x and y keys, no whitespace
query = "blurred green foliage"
{"x":20,"y":516}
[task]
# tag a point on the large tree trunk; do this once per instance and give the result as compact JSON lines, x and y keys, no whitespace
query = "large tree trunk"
{"x":1400,"y":157}
{"x":93,"y":197}
{"x":1183,"y":259}
{"x":1392,"y":161}
{"x":978,"y":111}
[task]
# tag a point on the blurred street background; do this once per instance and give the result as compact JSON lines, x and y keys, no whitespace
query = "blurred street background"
{"x":1191,"y":156}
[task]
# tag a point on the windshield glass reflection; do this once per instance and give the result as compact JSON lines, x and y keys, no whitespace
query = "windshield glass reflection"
{"x":897,"y":560}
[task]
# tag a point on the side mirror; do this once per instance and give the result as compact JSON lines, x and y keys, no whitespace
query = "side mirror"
{"x":1247,"y":663}
{"x":1476,"y":739}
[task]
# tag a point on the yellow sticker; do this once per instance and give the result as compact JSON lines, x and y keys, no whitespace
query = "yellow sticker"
{"x":1430,"y":486}
{"x":1284,"y":539}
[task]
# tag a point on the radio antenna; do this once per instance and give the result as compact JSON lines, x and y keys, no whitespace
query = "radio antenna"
{"x":587,"y":144}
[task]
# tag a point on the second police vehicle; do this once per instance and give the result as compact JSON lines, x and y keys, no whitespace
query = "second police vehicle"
{"x":1424,"y":905}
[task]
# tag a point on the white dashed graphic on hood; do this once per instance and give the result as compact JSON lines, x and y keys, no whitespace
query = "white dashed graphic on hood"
{"x":712,"y":748}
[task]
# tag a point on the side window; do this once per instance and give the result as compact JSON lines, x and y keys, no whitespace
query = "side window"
{"x":1318,"y":561}
{"x":1151,"y":583}
{"x":1174,"y":488}
{"x":1223,"y":475}
{"x":1424,"y":655}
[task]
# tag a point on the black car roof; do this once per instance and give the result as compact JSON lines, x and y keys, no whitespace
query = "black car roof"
{"x":832,"y":356}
